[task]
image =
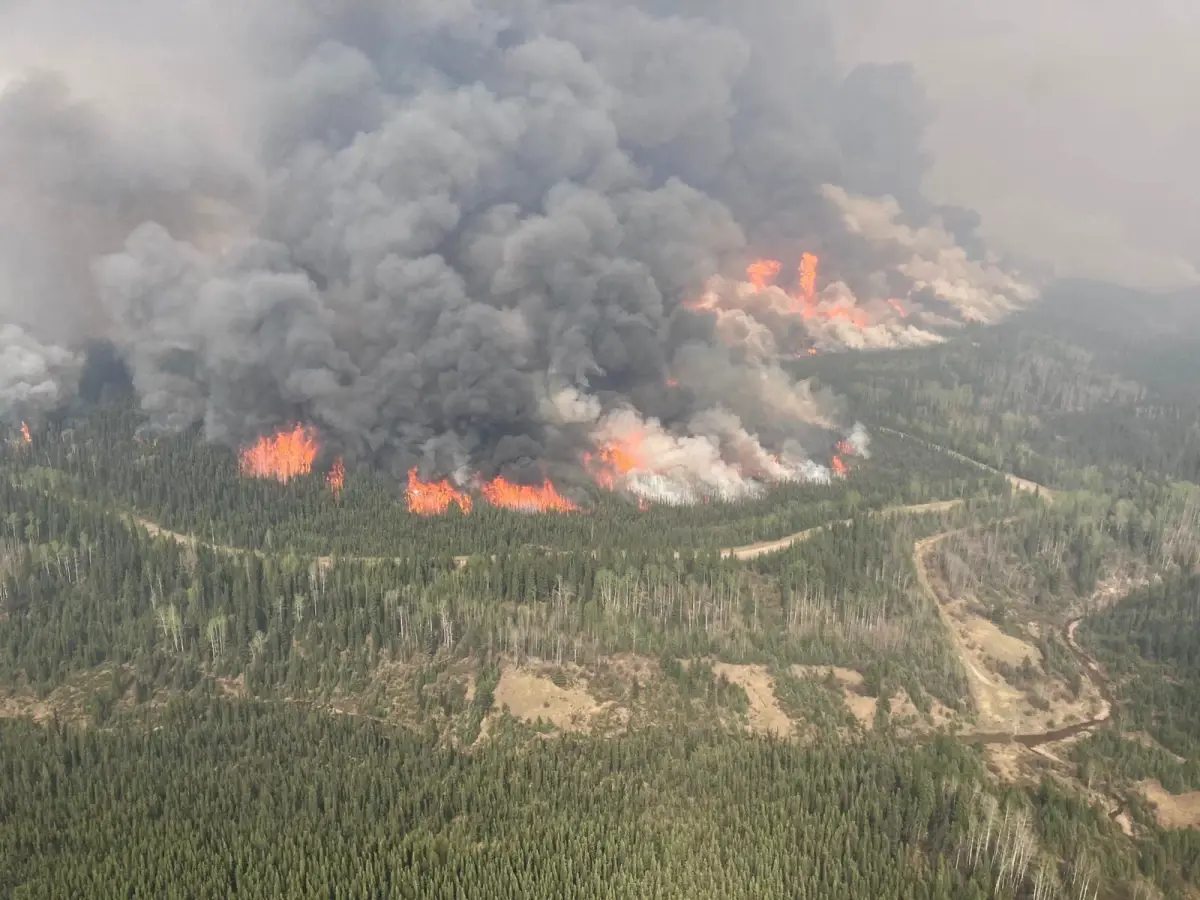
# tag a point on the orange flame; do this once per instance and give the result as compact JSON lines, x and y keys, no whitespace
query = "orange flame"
{"x":854,"y":315}
{"x":900,"y":310}
{"x":672,"y":382}
{"x":809,"y":265}
{"x":762,"y":272}
{"x":336,"y":478}
{"x":839,"y":468}
{"x":616,"y":458}
{"x":845,"y":448}
{"x":526,"y":498}
{"x":433,"y":498}
{"x":283,"y":456}
{"x":812,"y":351}
{"x":25,"y":433}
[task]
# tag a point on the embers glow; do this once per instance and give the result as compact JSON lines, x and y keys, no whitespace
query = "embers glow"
{"x":336,"y":477}
{"x":282,"y":456}
{"x":526,"y":498}
{"x":433,"y":498}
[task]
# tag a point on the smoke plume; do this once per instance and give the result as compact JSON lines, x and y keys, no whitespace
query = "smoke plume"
{"x":34,"y":377}
{"x":489,"y":236}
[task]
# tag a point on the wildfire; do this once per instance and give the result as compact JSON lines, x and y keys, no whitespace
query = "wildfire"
{"x":762,"y":273}
{"x":809,"y":264}
{"x":26,"y":436}
{"x":526,"y":498}
{"x":336,"y":477}
{"x":283,"y":456}
{"x":840,"y":469}
{"x":853,"y":315}
{"x":430,"y":498}
{"x":900,"y":310}
{"x":616,"y":458}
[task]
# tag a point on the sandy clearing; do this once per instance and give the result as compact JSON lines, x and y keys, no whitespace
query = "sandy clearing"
{"x":766,"y":716}
{"x":26,"y":707}
{"x":1172,"y":810}
{"x":530,"y":696}
{"x":1000,"y":646}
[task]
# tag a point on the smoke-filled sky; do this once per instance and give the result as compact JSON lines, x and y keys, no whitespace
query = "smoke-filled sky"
{"x":475,"y":236}
{"x":1071,"y":126}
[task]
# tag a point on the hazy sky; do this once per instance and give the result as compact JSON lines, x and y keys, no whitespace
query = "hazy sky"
{"x":1071,"y":126}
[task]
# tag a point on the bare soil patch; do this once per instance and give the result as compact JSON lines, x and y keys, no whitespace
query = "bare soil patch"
{"x":26,"y":707}
{"x":983,"y":635}
{"x":1172,"y":810}
{"x":531,"y":695}
{"x":766,"y":716}
{"x":863,"y":707}
{"x":1005,"y":762}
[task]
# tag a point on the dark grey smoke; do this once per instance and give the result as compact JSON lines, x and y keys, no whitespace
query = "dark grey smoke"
{"x":464,"y":208}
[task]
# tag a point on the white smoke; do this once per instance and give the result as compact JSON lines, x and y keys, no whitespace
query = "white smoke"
{"x":34,"y":377}
{"x":932,"y":259}
{"x":859,"y":441}
{"x":718,"y":458}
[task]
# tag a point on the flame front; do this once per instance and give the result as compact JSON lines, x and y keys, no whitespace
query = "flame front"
{"x":283,"y":456}
{"x":809,"y":264}
{"x":433,"y":498}
{"x":26,"y":436}
{"x":336,"y":478}
{"x":840,"y":469}
{"x":615,"y":459}
{"x":762,"y":273}
{"x":526,"y":498}
{"x":738,"y":309}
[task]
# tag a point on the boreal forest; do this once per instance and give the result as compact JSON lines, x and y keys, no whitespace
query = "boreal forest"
{"x":968,"y":666}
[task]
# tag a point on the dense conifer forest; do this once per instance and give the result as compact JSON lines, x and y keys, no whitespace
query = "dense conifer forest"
{"x":929,"y":680}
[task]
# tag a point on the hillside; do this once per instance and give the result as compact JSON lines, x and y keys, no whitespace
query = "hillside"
{"x":993,"y":672}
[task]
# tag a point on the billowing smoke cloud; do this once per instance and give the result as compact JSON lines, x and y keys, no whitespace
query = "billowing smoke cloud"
{"x":34,"y":377}
{"x":458,"y":212}
{"x":931,"y":259}
{"x":858,"y":441}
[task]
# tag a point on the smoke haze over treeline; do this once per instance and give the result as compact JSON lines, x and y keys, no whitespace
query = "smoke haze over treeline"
{"x":469,"y":237}
{"x":1071,"y":127}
